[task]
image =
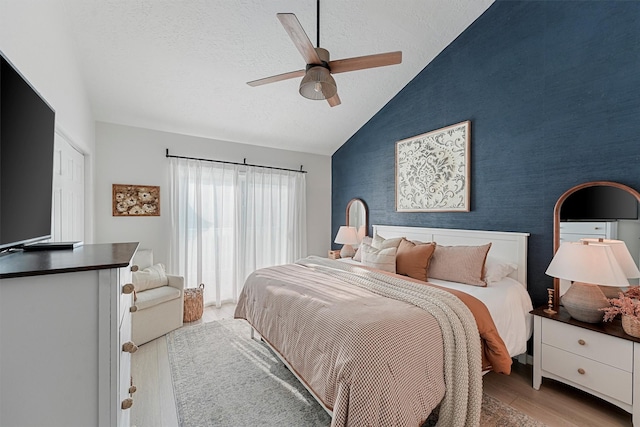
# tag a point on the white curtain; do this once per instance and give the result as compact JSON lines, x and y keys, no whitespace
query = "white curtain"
{"x":229,"y":220}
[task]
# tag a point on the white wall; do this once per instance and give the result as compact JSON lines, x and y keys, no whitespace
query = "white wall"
{"x":129,"y":155}
{"x":34,"y":37}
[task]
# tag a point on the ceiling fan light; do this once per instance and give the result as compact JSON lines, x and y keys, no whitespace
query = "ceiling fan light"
{"x":318,"y":84}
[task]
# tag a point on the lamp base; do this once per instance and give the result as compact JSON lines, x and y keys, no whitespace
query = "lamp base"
{"x":610,"y":291}
{"x":583,"y":301}
{"x":347,"y":251}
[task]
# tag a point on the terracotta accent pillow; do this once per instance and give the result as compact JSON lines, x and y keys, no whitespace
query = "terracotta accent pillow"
{"x":382,"y":259}
{"x":358,"y":256}
{"x":413,"y":259}
{"x":462,"y":264}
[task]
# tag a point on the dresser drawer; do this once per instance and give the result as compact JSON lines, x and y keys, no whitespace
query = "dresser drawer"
{"x":126,"y":300}
{"x":124,"y":368}
{"x":597,"y":376}
{"x":593,"y":345}
{"x":592,"y":228}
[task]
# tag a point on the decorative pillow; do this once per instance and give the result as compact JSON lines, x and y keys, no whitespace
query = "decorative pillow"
{"x":413,"y":259}
{"x":365,"y":240}
{"x":382,"y":243}
{"x":149,"y":278}
{"x":496,"y":269}
{"x":462,"y":264}
{"x":382,"y":259}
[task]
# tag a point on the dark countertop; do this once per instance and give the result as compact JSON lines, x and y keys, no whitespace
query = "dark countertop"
{"x":613,"y":328}
{"x":83,"y":258}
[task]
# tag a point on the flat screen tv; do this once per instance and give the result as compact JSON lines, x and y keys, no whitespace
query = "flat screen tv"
{"x":599,"y":203}
{"x":27,"y":126}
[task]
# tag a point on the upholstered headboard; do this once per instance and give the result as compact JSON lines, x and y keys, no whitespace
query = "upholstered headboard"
{"x":508,"y":246}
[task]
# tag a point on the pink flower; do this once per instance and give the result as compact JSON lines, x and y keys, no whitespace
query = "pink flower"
{"x":627,"y":303}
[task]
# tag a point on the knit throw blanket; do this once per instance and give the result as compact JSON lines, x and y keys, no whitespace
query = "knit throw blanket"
{"x":462,"y":350}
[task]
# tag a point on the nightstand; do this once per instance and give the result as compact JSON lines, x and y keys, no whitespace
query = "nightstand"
{"x":598,"y":358}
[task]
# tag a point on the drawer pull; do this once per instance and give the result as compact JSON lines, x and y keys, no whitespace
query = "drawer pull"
{"x":132,"y":389}
{"x":127,"y":403}
{"x":127,"y":289}
{"x":581,"y":342}
{"x":129,"y":347}
{"x":581,"y":371}
{"x":133,"y":309}
{"x":134,"y":268}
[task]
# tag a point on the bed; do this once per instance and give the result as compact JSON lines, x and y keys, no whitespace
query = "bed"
{"x":376,"y":348}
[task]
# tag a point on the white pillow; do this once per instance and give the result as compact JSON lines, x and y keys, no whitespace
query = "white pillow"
{"x":150,"y":278}
{"x":365,"y":240}
{"x":382,"y":259}
{"x":380,"y":242}
{"x":496,"y":269}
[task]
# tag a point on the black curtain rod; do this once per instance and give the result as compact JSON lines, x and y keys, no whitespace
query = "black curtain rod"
{"x":236,"y":163}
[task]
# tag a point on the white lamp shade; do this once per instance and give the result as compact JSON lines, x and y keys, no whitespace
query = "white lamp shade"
{"x":595,"y":264}
{"x":621,"y":252}
{"x":362,"y":232}
{"x":346,"y":236}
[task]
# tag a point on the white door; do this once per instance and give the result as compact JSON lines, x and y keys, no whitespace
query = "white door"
{"x":67,"y":218}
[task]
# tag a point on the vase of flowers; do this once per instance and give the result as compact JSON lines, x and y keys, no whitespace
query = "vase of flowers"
{"x":628,"y":306}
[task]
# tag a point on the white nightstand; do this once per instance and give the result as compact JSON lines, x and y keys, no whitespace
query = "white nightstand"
{"x":600,"y":359}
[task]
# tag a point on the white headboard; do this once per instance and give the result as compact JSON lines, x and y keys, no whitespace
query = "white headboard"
{"x":508,"y":246}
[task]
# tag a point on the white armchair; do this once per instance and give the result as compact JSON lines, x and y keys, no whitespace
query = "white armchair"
{"x":159,"y":299}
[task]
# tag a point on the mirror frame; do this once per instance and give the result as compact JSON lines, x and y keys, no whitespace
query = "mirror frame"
{"x":366,"y":213}
{"x":556,"y":221}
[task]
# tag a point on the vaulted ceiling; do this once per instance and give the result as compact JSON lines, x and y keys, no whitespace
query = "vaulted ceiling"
{"x":182,"y":65}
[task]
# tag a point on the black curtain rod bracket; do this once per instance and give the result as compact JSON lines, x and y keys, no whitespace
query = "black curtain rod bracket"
{"x":244,"y":163}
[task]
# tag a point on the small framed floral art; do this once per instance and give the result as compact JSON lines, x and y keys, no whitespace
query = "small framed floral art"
{"x":432,"y":171}
{"x":136,"y":200}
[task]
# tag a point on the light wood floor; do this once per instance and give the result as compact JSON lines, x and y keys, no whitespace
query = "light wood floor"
{"x":555,"y":404}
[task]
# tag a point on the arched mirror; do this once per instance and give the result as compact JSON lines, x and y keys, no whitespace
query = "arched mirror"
{"x":358,"y":217}
{"x":593,"y":210}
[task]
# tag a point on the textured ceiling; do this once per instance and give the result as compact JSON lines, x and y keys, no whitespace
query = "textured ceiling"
{"x":182,"y":65}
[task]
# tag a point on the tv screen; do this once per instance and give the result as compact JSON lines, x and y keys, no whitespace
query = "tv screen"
{"x":27,"y":126}
{"x":599,"y":203}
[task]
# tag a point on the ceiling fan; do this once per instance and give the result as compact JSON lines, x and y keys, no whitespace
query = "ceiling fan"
{"x":317,"y":82}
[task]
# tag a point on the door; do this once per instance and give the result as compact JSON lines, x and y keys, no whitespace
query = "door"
{"x":67,"y":222}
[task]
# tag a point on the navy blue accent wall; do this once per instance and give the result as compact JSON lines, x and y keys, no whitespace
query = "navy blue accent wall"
{"x":552,"y":90}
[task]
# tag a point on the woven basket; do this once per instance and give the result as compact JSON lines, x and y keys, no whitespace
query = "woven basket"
{"x":631,"y":325}
{"x":193,"y":303}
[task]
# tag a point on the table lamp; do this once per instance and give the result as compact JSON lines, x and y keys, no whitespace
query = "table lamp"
{"x":588,"y":266}
{"x":624,"y":258}
{"x":347,"y":236}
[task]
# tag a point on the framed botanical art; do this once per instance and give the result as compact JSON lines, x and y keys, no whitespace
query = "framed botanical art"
{"x":136,"y":200}
{"x":432,"y":170}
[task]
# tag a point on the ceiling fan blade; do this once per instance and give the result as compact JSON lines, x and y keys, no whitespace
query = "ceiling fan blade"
{"x":363,"y":62}
{"x":277,"y":78}
{"x":334,"y":100}
{"x":299,"y":37}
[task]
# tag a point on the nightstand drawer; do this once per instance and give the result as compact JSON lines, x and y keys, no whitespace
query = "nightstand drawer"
{"x":590,"y":344}
{"x":602,"y":378}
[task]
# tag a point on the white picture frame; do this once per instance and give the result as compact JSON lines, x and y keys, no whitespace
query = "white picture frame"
{"x":433,"y":170}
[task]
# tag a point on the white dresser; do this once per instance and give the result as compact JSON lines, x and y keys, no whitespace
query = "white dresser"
{"x":65,"y":330}
{"x":597,"y":358}
{"x":572,"y":231}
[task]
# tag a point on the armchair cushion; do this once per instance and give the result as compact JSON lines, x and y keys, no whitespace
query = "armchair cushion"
{"x":150,"y":278}
{"x":153,"y":297}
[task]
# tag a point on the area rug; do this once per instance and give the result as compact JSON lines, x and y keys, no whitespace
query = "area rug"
{"x":221,"y":377}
